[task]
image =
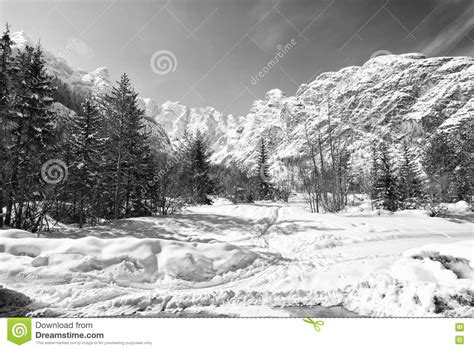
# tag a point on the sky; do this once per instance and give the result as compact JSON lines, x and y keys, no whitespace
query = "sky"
{"x":229,"y":53}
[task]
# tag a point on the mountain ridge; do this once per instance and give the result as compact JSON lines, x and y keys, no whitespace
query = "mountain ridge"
{"x":396,"y":98}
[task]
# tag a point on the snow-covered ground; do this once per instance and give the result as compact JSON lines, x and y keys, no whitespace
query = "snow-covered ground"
{"x":263,"y":259}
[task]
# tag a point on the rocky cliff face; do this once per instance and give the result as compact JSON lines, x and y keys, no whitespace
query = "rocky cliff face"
{"x":395,"y":98}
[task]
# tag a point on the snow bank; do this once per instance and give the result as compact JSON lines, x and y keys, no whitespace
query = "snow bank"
{"x":433,"y":279}
{"x":421,"y":270}
{"x":455,"y":252}
{"x":366,"y":209}
{"x":16,"y":234}
{"x":120,"y":259}
{"x":461,"y":207}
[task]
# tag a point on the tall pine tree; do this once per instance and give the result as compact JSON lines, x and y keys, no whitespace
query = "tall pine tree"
{"x":440,"y":163}
{"x":7,"y":71}
{"x":197,"y":170}
{"x":33,"y":137}
{"x":385,"y":190}
{"x":264,"y":187}
{"x":409,"y":174}
{"x":87,"y":150}
{"x":128,"y":151}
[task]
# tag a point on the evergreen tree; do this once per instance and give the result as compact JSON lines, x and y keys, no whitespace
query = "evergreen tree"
{"x":87,"y":151}
{"x":233,"y":184}
{"x":439,"y":162}
{"x":463,"y":147}
{"x":7,"y":70}
{"x":33,"y":136}
{"x":128,"y":151}
{"x":374,"y":175}
{"x":448,"y":162}
{"x":140,"y":162}
{"x":198,"y":167}
{"x":385,"y":190}
{"x":263,"y":185}
{"x":410,"y":184}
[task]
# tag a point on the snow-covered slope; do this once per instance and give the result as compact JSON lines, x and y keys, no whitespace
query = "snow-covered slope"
{"x":97,"y":80}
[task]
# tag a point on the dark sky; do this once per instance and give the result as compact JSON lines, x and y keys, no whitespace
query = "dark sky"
{"x":217,"y":46}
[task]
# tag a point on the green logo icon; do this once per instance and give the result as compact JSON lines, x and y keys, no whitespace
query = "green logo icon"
{"x":316,"y":324}
{"x":459,"y":327}
{"x":459,"y":339}
{"x":19,"y":330}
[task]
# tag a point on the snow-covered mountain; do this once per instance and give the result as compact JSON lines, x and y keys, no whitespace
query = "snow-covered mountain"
{"x":178,"y":119}
{"x":97,"y":81}
{"x":395,"y":97}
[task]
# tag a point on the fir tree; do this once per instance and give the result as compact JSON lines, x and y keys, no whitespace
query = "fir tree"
{"x":463,"y":147}
{"x":385,"y":183}
{"x":128,"y":152}
{"x":7,"y":70}
{"x":87,"y":151}
{"x":197,"y":170}
{"x":264,"y":187}
{"x":439,"y":162}
{"x":139,"y":166}
{"x":374,"y":174}
{"x":410,"y":184}
{"x":33,"y":135}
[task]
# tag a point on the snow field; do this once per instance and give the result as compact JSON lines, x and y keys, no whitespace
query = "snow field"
{"x":259,"y":259}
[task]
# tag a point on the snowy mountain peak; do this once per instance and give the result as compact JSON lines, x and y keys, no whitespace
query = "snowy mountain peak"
{"x":275,"y":97}
{"x":98,"y":80}
{"x":101,"y":72}
{"x":20,"y":39}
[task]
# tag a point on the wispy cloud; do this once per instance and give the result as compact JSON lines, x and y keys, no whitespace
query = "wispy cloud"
{"x":452,"y":34}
